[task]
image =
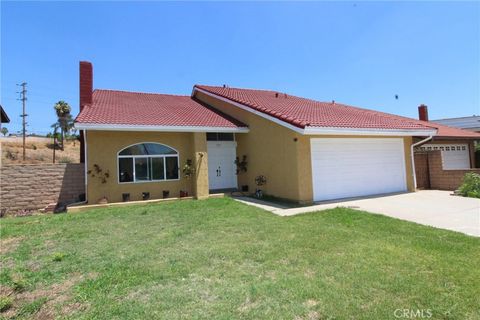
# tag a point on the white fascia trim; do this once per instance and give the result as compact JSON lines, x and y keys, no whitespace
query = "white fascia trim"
{"x":243,"y":107}
{"x":367,"y":131}
{"x":323,"y":130}
{"x":127,"y":127}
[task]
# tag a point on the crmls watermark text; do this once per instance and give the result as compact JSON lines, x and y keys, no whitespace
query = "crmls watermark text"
{"x":413,"y":313}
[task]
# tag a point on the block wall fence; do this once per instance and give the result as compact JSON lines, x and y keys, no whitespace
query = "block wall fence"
{"x":35,"y":187}
{"x":431,"y":175}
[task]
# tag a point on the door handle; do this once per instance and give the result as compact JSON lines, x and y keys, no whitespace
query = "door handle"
{"x":219,"y":172}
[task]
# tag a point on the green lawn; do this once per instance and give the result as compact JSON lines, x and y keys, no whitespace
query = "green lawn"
{"x":219,"y":259}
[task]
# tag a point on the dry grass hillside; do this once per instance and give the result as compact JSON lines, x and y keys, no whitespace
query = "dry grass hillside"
{"x":38,"y":150}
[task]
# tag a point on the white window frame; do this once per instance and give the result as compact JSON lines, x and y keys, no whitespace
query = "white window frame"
{"x":133,"y":157}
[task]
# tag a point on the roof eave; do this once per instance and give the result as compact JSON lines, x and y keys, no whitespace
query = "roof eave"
{"x":440,"y":137}
{"x":368,"y":131}
{"x":153,"y":128}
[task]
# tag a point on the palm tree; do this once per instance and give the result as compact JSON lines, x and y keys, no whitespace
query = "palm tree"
{"x":62,"y":109}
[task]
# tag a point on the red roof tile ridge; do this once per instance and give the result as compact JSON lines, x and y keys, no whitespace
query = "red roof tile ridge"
{"x":255,"y":106}
{"x":236,"y":88}
{"x":142,"y":92}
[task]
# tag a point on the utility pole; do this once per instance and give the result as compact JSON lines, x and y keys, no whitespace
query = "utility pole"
{"x":54,"y":142}
{"x":23,"y":115}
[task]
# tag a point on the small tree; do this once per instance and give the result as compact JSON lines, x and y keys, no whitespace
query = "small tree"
{"x":65,"y":121}
{"x":4,"y":131}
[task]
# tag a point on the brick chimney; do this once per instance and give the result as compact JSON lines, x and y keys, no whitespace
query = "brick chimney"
{"x":86,"y":83}
{"x":86,"y":97}
{"x":423,"y":112}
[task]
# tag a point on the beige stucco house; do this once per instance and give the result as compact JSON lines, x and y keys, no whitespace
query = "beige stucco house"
{"x":222,"y":138}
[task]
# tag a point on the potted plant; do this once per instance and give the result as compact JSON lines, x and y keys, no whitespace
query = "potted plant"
{"x":102,"y":176}
{"x":241,"y":165}
{"x":260,"y":181}
{"x":188,"y":172}
{"x":188,"y":169}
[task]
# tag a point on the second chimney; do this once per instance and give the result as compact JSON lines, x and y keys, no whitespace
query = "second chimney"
{"x":423,"y":112}
{"x":86,"y":84}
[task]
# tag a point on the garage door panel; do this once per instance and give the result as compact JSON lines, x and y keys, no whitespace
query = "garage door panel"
{"x":356,"y":167}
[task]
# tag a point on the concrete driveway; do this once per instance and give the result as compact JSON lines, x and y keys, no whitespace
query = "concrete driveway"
{"x":429,"y":207}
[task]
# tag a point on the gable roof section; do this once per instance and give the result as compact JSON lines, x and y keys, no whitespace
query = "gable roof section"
{"x":311,"y":117}
{"x":123,"y":110}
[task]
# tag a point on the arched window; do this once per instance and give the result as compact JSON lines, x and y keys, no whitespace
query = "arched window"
{"x":147,"y":161}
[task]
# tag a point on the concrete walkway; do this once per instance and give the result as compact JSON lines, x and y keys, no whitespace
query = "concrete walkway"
{"x":429,"y":207}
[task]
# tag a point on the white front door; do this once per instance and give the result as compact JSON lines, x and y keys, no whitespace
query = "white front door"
{"x":221,"y":165}
{"x":344,"y":168}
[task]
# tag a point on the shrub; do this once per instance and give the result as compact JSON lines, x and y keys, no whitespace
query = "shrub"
{"x":470,"y":186}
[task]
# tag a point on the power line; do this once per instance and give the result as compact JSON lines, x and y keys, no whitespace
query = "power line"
{"x":23,"y":115}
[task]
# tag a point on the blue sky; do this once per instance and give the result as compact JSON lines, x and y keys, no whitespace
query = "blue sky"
{"x":361,"y":53}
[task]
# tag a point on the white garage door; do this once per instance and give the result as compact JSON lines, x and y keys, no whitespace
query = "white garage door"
{"x":343,"y":168}
{"x":454,"y":156}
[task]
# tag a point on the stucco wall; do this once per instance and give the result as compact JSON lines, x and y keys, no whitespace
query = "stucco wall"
{"x":102,"y":149}
{"x":34,"y":187}
{"x":200,"y":185}
{"x":271,"y":151}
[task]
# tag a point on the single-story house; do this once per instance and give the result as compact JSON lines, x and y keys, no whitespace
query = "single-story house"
{"x":456,"y":145}
{"x":221,"y":138}
{"x":3,"y":117}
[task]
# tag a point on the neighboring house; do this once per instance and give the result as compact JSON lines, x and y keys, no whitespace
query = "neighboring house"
{"x":456,"y":145}
{"x":306,"y":150}
{"x":3,"y":117}
{"x":468,"y":123}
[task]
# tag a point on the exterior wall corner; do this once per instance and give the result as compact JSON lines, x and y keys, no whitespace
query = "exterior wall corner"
{"x":200,"y":156}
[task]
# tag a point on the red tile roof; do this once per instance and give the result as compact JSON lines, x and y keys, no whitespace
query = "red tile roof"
{"x":302,"y":112}
{"x":113,"y":107}
{"x":450,"y":132}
